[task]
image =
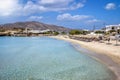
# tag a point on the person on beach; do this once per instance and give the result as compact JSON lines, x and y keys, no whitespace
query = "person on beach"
{"x":108,"y":40}
{"x":100,"y":38}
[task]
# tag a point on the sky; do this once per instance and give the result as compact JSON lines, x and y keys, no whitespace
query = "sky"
{"x":76,"y":14}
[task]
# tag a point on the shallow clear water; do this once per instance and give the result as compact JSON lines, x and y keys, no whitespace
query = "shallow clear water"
{"x":42,"y":58}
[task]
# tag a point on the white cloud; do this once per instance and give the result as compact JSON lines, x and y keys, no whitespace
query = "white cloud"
{"x":51,"y":5}
{"x":60,"y":2}
{"x":31,"y":7}
{"x":35,"y":18}
{"x":13,"y":7}
{"x":93,"y":21}
{"x":7,"y":7}
{"x":76,"y":6}
{"x":110,"y":6}
{"x":69,"y":17}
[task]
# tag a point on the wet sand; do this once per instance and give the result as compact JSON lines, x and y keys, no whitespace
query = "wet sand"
{"x":106,"y":54}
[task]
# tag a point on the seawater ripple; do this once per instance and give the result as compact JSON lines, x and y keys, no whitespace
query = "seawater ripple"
{"x":42,"y":58}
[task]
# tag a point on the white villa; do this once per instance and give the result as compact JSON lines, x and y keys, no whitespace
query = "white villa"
{"x":112,"y":27}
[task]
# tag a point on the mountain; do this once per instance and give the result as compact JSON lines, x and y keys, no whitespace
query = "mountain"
{"x":34,"y":25}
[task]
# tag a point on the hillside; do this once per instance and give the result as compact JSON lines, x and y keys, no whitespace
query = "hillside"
{"x":33,"y":25}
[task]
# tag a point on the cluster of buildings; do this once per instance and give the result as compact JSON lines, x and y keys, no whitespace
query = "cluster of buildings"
{"x":26,"y":32}
{"x":112,"y":27}
{"x":35,"y":31}
{"x":39,"y":32}
{"x":108,"y":28}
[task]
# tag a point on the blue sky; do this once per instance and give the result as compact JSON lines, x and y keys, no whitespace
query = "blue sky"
{"x":80,"y":14}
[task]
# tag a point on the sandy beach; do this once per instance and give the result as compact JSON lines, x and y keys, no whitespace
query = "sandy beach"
{"x":108,"y":54}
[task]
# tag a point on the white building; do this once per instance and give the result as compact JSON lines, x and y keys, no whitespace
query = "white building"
{"x":35,"y":31}
{"x":112,"y":27}
{"x":38,"y":31}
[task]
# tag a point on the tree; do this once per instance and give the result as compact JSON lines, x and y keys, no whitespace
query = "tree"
{"x":2,"y":30}
{"x":99,"y":32}
{"x":111,"y":31}
{"x":63,"y":33}
{"x":74,"y":32}
{"x":56,"y":33}
{"x":48,"y":32}
{"x":77,"y":32}
{"x":85,"y":32}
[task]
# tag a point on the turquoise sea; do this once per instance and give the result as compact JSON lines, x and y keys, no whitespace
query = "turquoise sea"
{"x":43,"y":58}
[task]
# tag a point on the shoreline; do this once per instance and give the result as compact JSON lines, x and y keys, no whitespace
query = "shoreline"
{"x":108,"y":58}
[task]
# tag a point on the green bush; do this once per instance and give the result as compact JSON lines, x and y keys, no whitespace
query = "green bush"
{"x":56,"y":33}
{"x":112,"y":31}
{"x":1,"y":30}
{"x":63,"y":33}
{"x":77,"y":32}
{"x":100,"y":32}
